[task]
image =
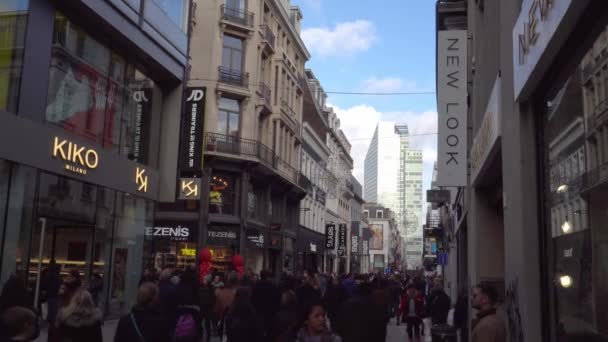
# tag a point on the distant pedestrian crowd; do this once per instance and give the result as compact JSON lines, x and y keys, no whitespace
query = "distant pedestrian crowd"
{"x":182,"y":306}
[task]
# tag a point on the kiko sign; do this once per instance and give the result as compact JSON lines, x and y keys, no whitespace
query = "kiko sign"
{"x":452,"y":107}
{"x":79,"y":158}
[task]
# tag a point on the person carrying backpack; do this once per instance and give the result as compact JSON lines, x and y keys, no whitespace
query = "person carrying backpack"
{"x":188,"y":326}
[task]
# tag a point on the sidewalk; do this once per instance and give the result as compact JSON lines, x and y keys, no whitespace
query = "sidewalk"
{"x":108,"y":329}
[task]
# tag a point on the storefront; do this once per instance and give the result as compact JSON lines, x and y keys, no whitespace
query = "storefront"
{"x":565,"y":76}
{"x":311,"y":246}
{"x":171,"y":244}
{"x":223,"y":242}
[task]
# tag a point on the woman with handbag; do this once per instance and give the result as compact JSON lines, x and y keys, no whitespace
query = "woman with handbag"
{"x":145,"y":322}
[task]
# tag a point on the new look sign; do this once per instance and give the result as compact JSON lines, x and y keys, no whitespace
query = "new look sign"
{"x":452,"y":107}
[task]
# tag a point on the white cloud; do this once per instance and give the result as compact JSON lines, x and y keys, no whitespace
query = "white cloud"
{"x":359,"y":123}
{"x":345,"y":38}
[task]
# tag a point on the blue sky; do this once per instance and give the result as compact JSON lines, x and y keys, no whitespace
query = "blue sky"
{"x":362,"y":46}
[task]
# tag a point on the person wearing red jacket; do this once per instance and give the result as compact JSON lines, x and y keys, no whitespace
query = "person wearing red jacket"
{"x":412,"y":311}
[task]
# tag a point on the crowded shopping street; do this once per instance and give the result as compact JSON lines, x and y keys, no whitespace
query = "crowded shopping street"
{"x":303,"y":171}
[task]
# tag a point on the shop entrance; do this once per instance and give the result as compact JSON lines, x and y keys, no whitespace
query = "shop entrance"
{"x":71,"y":245}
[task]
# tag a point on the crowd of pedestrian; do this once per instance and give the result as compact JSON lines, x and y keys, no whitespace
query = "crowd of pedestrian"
{"x":177,"y":305}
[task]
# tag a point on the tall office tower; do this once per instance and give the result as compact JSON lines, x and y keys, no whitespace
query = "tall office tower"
{"x":381,"y":167}
{"x":409,"y":198}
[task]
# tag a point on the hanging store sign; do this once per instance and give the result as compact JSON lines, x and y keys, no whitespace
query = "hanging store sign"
{"x":354,"y":243}
{"x":255,"y":238}
{"x":173,"y":231}
{"x":330,"y":236}
{"x":313,"y":248}
{"x":438,"y":196}
{"x":342,"y":240}
{"x":192,"y":129}
{"x":143,"y":112}
{"x":533,"y":38}
{"x":452,"y":107}
{"x":189,"y":189}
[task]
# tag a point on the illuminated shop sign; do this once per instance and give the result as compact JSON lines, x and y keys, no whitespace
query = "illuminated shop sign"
{"x":79,"y":159}
{"x":189,"y":188}
{"x":141,"y":179}
{"x":173,"y":231}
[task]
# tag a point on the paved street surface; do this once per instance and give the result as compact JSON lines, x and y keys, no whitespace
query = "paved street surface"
{"x":397,"y":333}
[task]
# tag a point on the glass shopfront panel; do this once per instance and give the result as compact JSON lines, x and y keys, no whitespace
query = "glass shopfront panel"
{"x":13,"y":23}
{"x":222,"y":194}
{"x":575,"y":153}
{"x":133,"y":215}
{"x":94,"y":93}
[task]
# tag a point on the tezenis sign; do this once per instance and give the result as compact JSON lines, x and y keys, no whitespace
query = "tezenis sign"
{"x":79,"y":159}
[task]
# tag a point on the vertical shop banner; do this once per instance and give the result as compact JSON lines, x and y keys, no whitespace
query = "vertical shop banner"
{"x":342,"y":240}
{"x":193,"y":117}
{"x":143,"y":113}
{"x":452,"y":107}
{"x":330,"y":236}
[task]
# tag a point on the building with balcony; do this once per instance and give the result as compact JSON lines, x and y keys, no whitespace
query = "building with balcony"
{"x":340,"y":168}
{"x":315,"y":159}
{"x":249,"y":57}
{"x":90,"y":102}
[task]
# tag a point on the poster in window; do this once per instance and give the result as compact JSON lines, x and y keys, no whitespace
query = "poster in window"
{"x":377,"y":235}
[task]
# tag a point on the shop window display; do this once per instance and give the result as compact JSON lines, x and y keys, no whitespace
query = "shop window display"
{"x":13,"y":23}
{"x":96,"y":94}
{"x":222,"y":194}
{"x":575,"y":153}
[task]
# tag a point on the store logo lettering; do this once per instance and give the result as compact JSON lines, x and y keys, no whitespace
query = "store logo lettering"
{"x":224,"y":235}
{"x":73,"y":153}
{"x":141,"y":179}
{"x":179,"y":231}
{"x":140,"y":96}
{"x":190,"y":188}
{"x":196,"y":95}
{"x":538,"y":10}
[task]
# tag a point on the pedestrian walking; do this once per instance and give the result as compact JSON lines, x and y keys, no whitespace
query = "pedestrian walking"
{"x":80,"y":320}
{"x":360,"y":319}
{"x":438,"y":304}
{"x":314,"y":326}
{"x":285,"y":323}
{"x":207,"y":302}
{"x":266,"y":300}
{"x":334,"y":298}
{"x":487,"y":327}
{"x":168,"y":293}
{"x":224,"y":297}
{"x":145,"y":322}
{"x":68,"y":288}
{"x":461,"y":315}
{"x":189,"y":322}
{"x":242,"y":323}
{"x":14,"y":293}
{"x":95,"y":287}
{"x":18,"y":324}
{"x":412,"y":311}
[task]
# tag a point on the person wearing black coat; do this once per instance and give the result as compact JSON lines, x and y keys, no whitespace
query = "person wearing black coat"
{"x":266,"y":300}
{"x":461,"y":315}
{"x":19,"y":324}
{"x":14,"y":293}
{"x":242,"y":324}
{"x":285,"y":323}
{"x":335,"y":296}
{"x":361,"y":318}
{"x":189,"y":304}
{"x":80,"y":320}
{"x":438,"y":304}
{"x":145,"y":323}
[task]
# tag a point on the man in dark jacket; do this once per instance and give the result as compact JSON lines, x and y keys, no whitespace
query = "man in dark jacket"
{"x":438,"y":305}
{"x":145,"y":322}
{"x":360,"y":319}
{"x":18,"y":324}
{"x":266,"y":300}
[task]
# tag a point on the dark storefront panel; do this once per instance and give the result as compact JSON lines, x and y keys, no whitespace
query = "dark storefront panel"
{"x":574,"y":159}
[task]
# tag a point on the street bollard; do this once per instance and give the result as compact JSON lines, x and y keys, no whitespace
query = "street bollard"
{"x":443,"y":333}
